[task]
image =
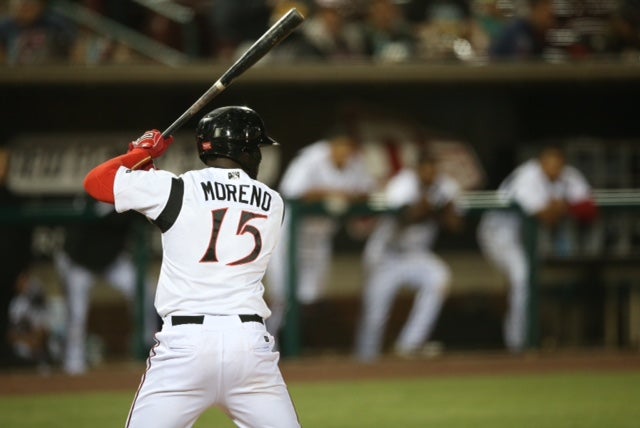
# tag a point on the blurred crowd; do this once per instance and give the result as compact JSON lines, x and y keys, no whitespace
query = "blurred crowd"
{"x":389,"y":31}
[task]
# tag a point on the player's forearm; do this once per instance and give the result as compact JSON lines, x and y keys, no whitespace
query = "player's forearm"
{"x":418,"y":212}
{"x":555,"y":211}
{"x":99,"y":182}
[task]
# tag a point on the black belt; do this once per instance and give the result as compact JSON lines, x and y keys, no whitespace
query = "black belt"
{"x":199,"y":319}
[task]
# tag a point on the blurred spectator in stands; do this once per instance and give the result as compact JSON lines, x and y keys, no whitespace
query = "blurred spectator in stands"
{"x":488,"y":18}
{"x":94,"y":250}
{"x":92,"y":48}
{"x":525,"y":37}
{"x":444,"y":35}
{"x":388,"y":35}
{"x":32,"y":34}
{"x":624,"y":31}
{"x":15,"y":252}
{"x":580,"y":30}
{"x":399,"y":253}
{"x":234,"y":22}
{"x":329,"y":34}
{"x":331,"y":172}
{"x":549,"y":190}
{"x":163,"y":30}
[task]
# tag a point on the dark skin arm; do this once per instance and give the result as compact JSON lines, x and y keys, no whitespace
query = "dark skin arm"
{"x":555,"y":211}
{"x":447,"y":215}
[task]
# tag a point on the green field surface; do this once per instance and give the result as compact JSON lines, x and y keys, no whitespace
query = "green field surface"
{"x":583,"y":400}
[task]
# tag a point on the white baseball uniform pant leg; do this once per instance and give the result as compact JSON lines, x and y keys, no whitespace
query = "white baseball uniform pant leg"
{"x":426,"y":272}
{"x":313,"y":255}
{"x":78,"y":282}
{"x":430,"y":276}
{"x":315,"y":245}
{"x":276,"y":287}
{"x":224,"y":363}
{"x":503,"y":248}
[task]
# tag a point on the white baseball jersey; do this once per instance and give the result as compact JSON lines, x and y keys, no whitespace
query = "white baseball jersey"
{"x":402,"y":190}
{"x":219,"y":230}
{"x":530,"y":188}
{"x":313,"y":169}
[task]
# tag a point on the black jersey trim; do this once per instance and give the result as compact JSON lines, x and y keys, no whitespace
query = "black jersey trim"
{"x":171,"y":210}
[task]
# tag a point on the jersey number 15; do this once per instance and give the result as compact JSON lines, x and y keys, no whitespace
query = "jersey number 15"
{"x":211,"y":256}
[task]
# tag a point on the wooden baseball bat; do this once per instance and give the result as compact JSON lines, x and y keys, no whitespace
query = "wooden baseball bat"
{"x":274,"y":35}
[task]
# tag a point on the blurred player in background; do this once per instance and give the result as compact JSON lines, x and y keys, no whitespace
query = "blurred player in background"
{"x":399,"y":254}
{"x":549,"y":190}
{"x":219,"y":228}
{"x":330,"y":171}
{"x":94,"y":250}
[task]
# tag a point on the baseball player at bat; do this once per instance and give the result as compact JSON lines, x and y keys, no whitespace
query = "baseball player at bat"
{"x":548,"y":189}
{"x":399,"y":254}
{"x":219,"y":227}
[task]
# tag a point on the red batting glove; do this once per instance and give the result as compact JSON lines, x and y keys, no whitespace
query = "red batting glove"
{"x":153,"y":142}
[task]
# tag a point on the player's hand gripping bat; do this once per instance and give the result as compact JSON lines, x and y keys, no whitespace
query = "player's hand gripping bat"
{"x":274,"y":35}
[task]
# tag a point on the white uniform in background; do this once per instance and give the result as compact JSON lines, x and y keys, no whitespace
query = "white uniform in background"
{"x":311,"y":169}
{"x":398,"y":256}
{"x":499,"y":234}
{"x":219,"y":230}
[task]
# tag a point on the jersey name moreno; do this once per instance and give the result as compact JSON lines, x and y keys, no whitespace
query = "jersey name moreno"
{"x":249,"y":194}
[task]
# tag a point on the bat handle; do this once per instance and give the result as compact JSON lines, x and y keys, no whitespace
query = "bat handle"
{"x":213,"y":91}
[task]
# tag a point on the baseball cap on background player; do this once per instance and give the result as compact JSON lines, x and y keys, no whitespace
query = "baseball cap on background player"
{"x":233,"y":132}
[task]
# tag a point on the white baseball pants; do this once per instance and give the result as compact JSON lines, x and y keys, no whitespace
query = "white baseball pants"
{"x":426,"y":273}
{"x":224,"y":363}
{"x":503,"y":247}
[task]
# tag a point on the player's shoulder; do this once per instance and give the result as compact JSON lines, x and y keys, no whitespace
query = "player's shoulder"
{"x":448,"y":183}
{"x":572,"y":175}
{"x":151,"y":175}
{"x":404,"y":180}
{"x":528,"y":170}
{"x":316,"y":151}
{"x":572,"y":172}
{"x":405,"y":175}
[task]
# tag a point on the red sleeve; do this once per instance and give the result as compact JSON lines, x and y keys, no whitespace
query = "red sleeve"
{"x":585,"y":211}
{"x":99,"y":182}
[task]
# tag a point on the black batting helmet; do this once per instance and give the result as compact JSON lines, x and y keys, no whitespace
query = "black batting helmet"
{"x":233,"y":132}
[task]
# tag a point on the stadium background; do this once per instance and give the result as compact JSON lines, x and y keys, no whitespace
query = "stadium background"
{"x":496,"y":114}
